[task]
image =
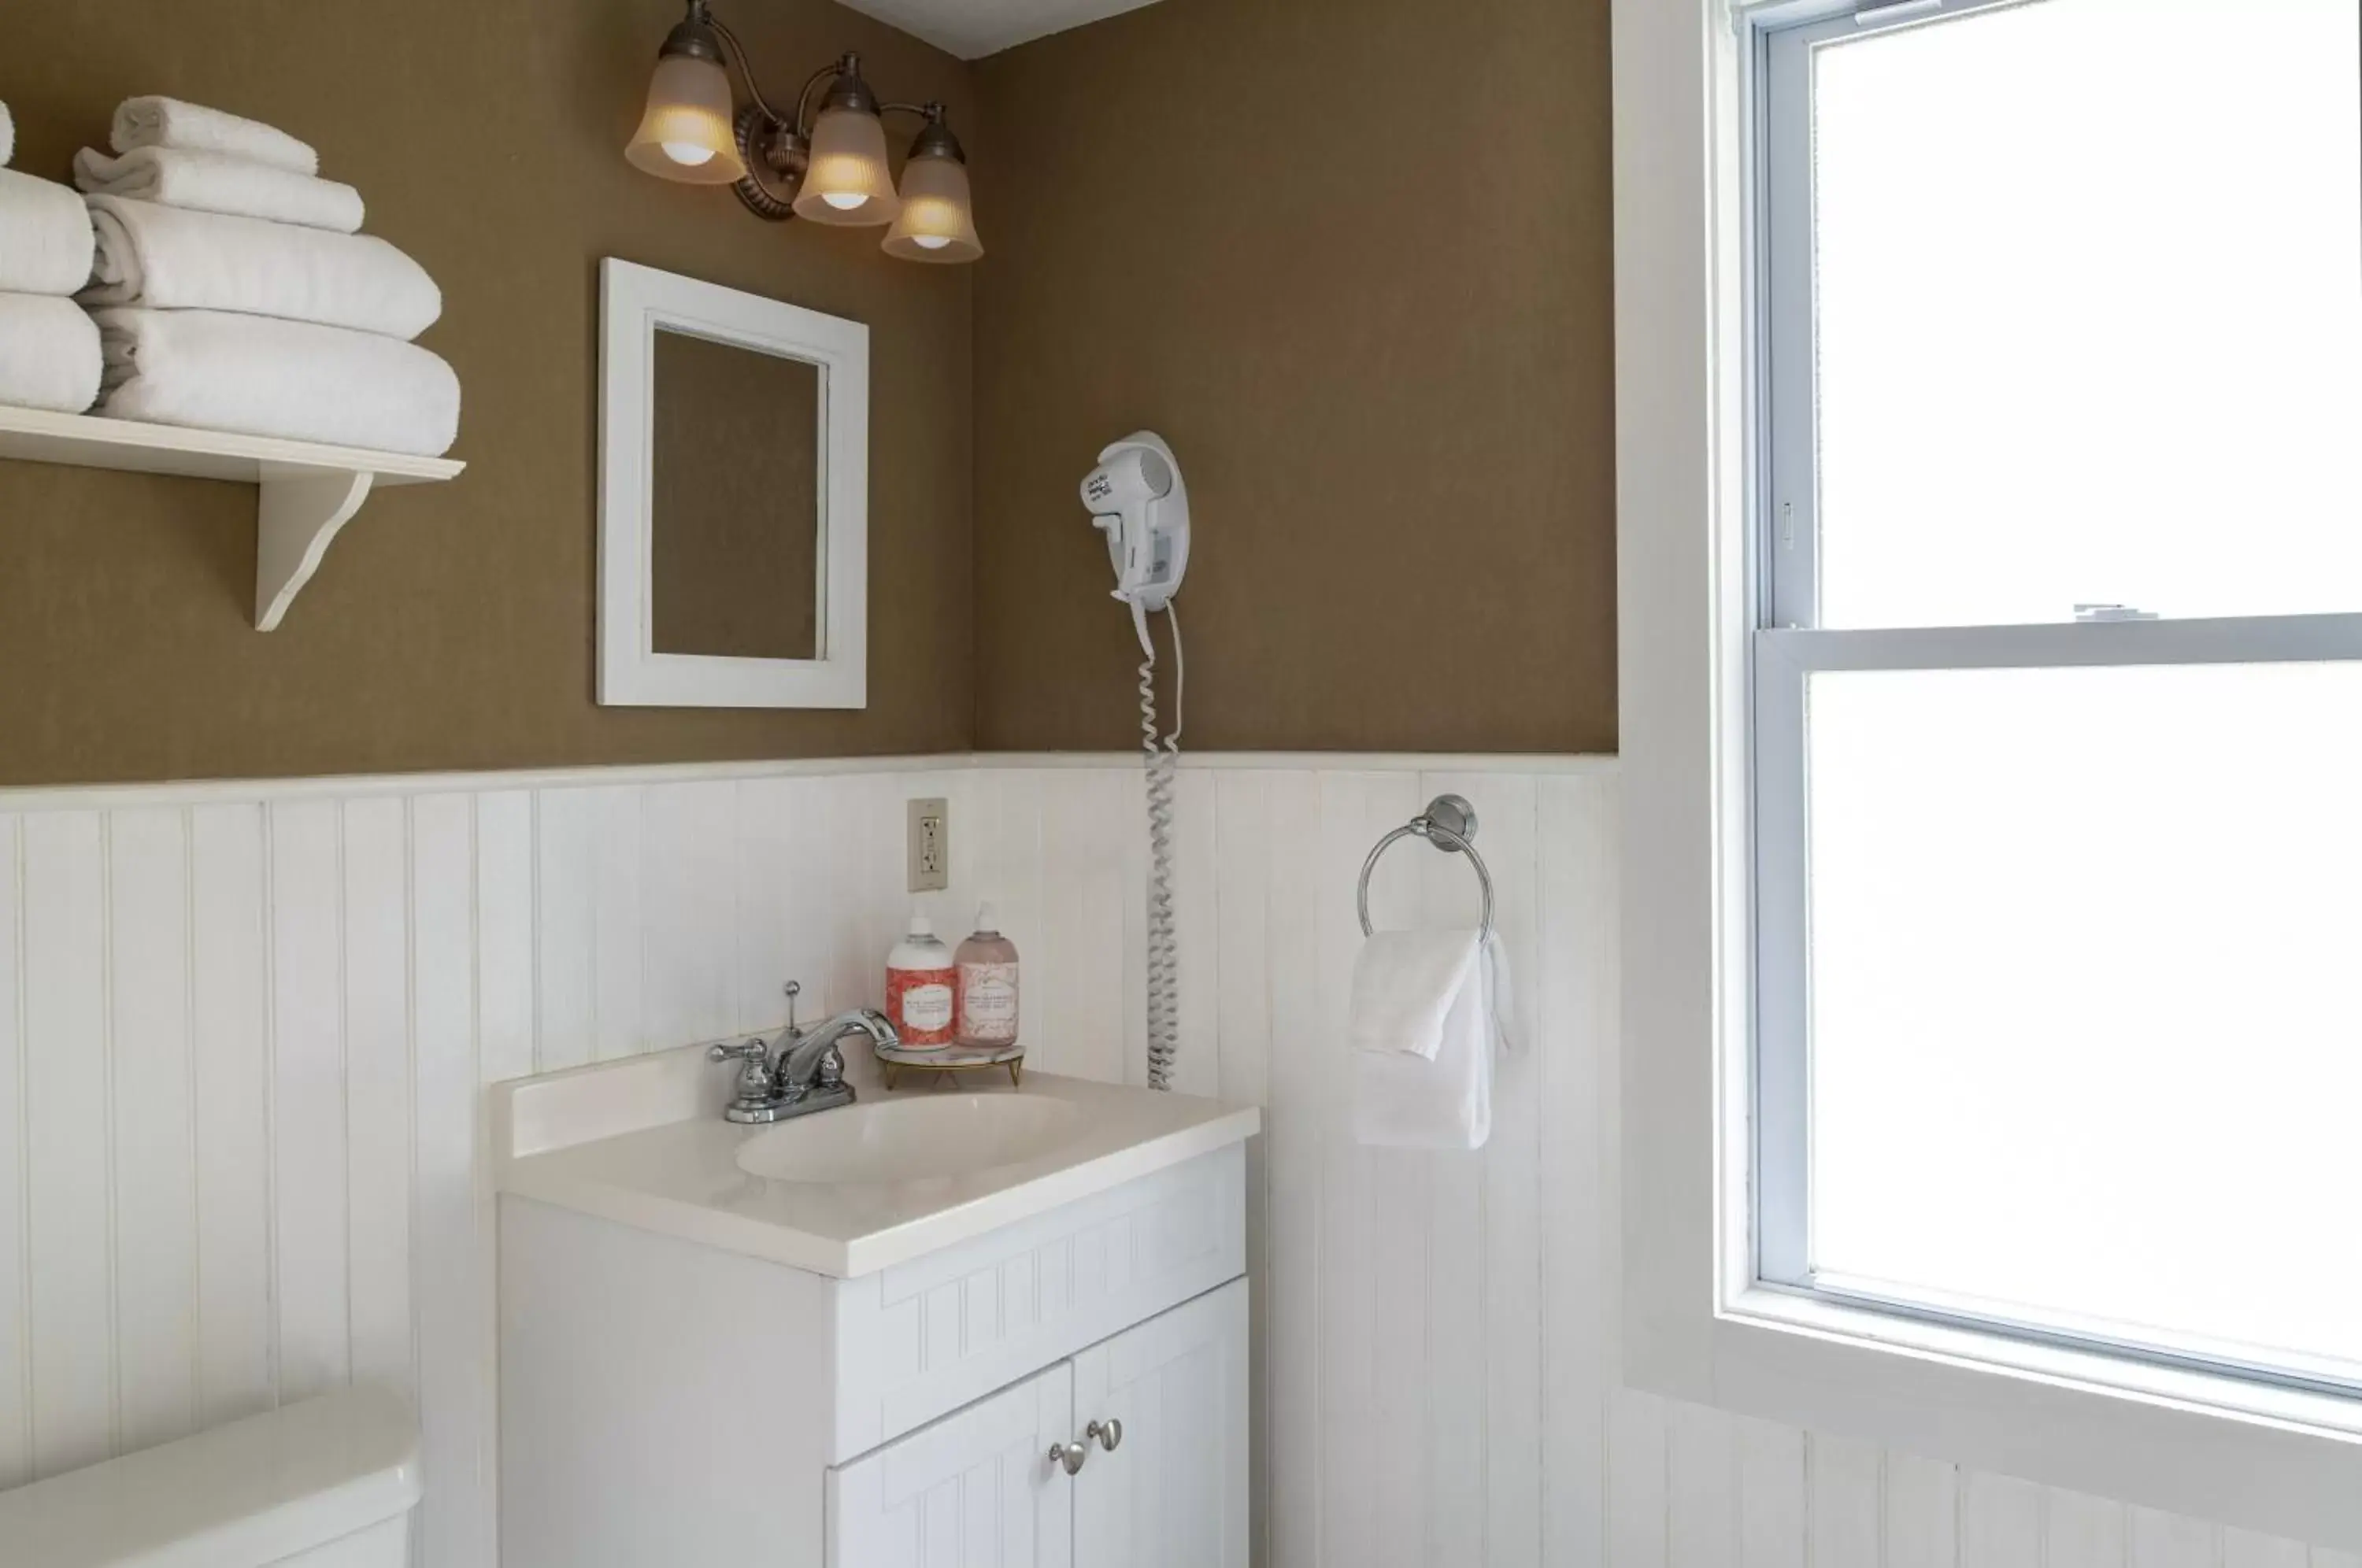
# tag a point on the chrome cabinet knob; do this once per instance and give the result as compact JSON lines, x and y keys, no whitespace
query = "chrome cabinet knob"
{"x":1070,"y":1455}
{"x":1110,"y":1432}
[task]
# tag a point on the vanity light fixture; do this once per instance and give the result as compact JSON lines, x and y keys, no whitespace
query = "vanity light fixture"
{"x":832,"y":167}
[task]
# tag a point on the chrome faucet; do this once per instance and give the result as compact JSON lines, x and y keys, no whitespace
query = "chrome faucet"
{"x":802,"y":1071}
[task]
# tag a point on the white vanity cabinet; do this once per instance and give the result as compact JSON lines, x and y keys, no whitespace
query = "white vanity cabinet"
{"x":980,"y":1488}
{"x":703,"y":1367}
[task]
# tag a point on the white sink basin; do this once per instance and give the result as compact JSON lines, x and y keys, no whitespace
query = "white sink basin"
{"x":879,"y":1142}
{"x":894,"y":1177}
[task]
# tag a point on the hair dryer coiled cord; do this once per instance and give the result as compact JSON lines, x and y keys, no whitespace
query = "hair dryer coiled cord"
{"x":1162,"y":759}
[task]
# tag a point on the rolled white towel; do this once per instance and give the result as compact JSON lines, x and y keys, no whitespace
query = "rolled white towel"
{"x":216,"y":182}
{"x":168,"y":257}
{"x":45,"y":241}
{"x":8,"y":135}
{"x":168,"y":122}
{"x":217,"y":370}
{"x":49,"y":353}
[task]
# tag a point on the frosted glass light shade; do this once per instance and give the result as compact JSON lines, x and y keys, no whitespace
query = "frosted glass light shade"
{"x":685,"y":133}
{"x":937,"y":223}
{"x":849,"y":184}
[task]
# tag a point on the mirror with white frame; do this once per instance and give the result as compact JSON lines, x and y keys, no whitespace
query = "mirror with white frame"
{"x":732,"y":498}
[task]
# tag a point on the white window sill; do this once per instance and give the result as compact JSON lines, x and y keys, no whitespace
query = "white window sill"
{"x":2090,"y":1371}
{"x":2280,"y":1459}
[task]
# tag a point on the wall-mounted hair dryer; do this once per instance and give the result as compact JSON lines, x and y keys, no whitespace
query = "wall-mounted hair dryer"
{"x":1137,"y":498}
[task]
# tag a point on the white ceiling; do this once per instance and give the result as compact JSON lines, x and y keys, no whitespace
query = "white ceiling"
{"x":974,"y":28}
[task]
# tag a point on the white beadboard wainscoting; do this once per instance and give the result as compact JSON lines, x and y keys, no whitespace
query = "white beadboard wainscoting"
{"x":243,"y":1030}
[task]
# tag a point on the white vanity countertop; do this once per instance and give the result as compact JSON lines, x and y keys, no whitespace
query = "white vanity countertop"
{"x":642,"y":1141}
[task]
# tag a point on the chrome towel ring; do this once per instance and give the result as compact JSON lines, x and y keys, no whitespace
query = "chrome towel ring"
{"x":1449,"y":823}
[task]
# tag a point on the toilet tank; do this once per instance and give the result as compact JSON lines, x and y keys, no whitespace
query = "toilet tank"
{"x":328,"y":1483}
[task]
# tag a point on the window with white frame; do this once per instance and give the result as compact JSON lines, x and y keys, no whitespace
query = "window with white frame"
{"x":2057,"y":684}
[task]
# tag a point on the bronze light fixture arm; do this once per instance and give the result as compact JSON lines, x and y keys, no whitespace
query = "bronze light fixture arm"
{"x":767,"y":138}
{"x":846,"y":66}
{"x":935,"y":138}
{"x":702,"y":13}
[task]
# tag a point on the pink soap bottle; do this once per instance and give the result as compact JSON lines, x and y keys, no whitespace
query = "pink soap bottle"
{"x":988,"y":987}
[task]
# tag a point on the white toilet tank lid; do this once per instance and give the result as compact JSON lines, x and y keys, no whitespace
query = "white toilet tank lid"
{"x":252,"y":1492}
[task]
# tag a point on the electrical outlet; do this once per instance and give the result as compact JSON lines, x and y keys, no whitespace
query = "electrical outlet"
{"x":931,"y":845}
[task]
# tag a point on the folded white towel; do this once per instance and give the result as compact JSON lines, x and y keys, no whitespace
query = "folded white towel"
{"x":168,"y":122}
{"x":45,"y":244}
{"x":217,"y":370}
{"x":216,"y":182}
{"x":1404,"y":985}
{"x":8,"y":135}
{"x":49,"y":353}
{"x":151,"y":255}
{"x":1404,"y":1095}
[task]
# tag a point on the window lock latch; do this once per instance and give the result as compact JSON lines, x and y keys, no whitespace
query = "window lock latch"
{"x":2089,"y":614}
{"x":1871,"y":11}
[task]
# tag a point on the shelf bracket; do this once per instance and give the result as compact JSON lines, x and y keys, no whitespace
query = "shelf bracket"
{"x":298,"y":518}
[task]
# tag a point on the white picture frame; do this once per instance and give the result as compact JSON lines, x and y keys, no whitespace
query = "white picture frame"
{"x":634,"y":303}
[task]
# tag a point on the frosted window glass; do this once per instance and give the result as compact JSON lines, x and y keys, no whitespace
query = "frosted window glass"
{"x":2089,"y":279}
{"x":2087,"y":995}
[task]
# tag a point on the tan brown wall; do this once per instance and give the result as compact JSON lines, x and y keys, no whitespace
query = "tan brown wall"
{"x":451,"y":627}
{"x":1352,"y":258}
{"x":733,"y":502}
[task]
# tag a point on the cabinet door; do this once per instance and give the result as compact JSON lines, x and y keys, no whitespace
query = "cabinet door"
{"x":978,"y":1489}
{"x":1173,"y":1491}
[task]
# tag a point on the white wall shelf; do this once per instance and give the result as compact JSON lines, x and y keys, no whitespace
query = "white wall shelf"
{"x":308,"y":491}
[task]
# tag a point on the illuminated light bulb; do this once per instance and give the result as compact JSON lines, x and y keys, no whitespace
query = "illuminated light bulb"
{"x":688,"y":152}
{"x":844,"y":201}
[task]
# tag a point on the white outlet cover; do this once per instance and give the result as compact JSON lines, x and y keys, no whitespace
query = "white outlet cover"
{"x":927,"y":877}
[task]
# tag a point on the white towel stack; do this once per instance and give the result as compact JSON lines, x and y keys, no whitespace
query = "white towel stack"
{"x":49,"y":348}
{"x":234,"y":293}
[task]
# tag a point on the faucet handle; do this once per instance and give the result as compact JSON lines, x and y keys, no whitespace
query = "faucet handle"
{"x":754,"y":1071}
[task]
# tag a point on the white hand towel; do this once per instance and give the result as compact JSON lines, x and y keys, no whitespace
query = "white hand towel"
{"x":215,"y":182}
{"x":8,"y":135}
{"x":150,"y":255}
{"x":168,"y":122}
{"x":216,"y":371}
{"x":1404,"y":985}
{"x":1404,"y":1099}
{"x":49,"y":353}
{"x":45,"y":248}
